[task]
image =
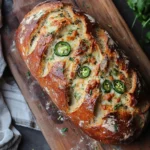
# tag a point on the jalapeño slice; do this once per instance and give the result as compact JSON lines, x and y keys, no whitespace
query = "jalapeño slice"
{"x":84,"y":72}
{"x":107,"y":86}
{"x":119,"y":86}
{"x":62,"y":49}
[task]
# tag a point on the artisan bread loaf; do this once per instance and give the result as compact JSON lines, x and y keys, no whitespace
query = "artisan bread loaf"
{"x":84,"y":72}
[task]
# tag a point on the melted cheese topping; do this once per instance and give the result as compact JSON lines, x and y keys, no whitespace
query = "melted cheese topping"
{"x":64,"y":25}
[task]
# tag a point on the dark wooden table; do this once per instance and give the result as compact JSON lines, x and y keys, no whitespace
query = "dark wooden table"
{"x":34,"y":140}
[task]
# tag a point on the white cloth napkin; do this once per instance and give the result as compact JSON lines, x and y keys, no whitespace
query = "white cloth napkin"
{"x":8,"y":134}
{"x":20,"y":112}
{"x":12,"y":106}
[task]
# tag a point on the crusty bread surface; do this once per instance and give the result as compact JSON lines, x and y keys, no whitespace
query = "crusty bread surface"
{"x":110,"y":117}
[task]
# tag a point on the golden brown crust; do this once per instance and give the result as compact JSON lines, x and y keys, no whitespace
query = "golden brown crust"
{"x":109,"y":117}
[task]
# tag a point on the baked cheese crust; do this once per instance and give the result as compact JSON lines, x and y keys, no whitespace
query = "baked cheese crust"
{"x":96,"y":106}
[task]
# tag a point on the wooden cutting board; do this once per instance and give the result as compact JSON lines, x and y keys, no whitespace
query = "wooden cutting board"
{"x":46,"y":114}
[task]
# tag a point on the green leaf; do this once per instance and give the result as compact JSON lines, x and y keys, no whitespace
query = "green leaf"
{"x":50,"y":58}
{"x":117,"y":106}
{"x":116,"y":127}
{"x":28,"y":74}
{"x":146,"y":23}
{"x":96,"y":148}
{"x":144,"y":17}
{"x":60,"y":118}
{"x":73,"y":86}
{"x":77,"y":95}
{"x":140,"y":5}
{"x":141,"y":9}
{"x":147,"y":40}
{"x":90,"y":92}
{"x":110,"y":26}
{"x":71,"y":59}
{"x":63,"y":130}
{"x":134,"y":21}
{"x":132,"y":3}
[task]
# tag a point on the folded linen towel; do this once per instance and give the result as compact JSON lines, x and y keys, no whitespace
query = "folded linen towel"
{"x":14,"y":143}
{"x":12,"y":105}
{"x":9,"y":136}
{"x":16,"y":103}
{"x":5,"y":121}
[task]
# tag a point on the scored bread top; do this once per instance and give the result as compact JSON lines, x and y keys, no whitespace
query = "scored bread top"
{"x":108,"y":116}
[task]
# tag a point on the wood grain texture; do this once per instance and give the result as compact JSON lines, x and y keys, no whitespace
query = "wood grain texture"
{"x":106,"y":14}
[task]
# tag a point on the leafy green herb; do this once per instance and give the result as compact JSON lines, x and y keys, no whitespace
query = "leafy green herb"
{"x":118,"y":106}
{"x":114,"y":72}
{"x":70,"y":31}
{"x":53,"y":106}
{"x":39,"y":106}
{"x":77,"y":95}
{"x":90,"y":55}
{"x":110,"y":101}
{"x":73,"y":85}
{"x":63,"y":130}
{"x":61,"y":15}
{"x":90,"y":92}
{"x":102,"y":74}
{"x":147,"y":40}
{"x":96,"y":148}
{"x":50,"y":58}
{"x":110,"y":26}
{"x":85,"y":41}
{"x":116,"y":127}
{"x":86,"y":56}
{"x":141,"y":9}
{"x":71,"y":59}
{"x":102,"y":44}
{"x":77,"y":21}
{"x":28,"y":74}
{"x":59,"y":118}
{"x":50,"y":33}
